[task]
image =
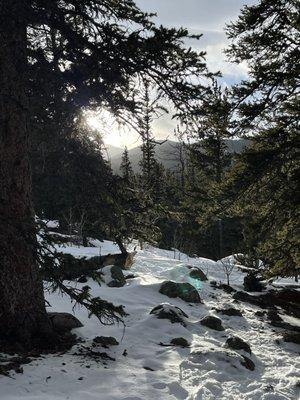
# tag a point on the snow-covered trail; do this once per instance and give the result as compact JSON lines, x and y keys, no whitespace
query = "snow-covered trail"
{"x":147,"y":370}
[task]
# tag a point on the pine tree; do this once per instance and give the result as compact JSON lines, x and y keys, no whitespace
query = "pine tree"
{"x":148,"y":161}
{"x":22,"y":306}
{"x":83,"y":56}
{"x":263,"y":184}
{"x":212,"y":129}
{"x":126,"y":168}
{"x":208,"y":161}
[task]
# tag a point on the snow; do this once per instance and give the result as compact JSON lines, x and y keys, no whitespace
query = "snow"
{"x":204,"y":371}
{"x":51,"y":224}
{"x":100,"y":249}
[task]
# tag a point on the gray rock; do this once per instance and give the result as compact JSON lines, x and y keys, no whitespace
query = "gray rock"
{"x":118,"y":278}
{"x":184,"y":291}
{"x":212,"y":322}
{"x":237,"y":343}
{"x":197,"y":273}
{"x":172,"y":313}
{"x":180,"y":341}
{"x":106,"y":341}
{"x":232,"y":312}
{"x":247,"y":363}
{"x":63,"y":322}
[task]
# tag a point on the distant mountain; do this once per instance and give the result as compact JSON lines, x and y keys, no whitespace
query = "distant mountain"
{"x":167,"y":153}
{"x":112,"y":151}
{"x":164,"y":152}
{"x":236,"y":145}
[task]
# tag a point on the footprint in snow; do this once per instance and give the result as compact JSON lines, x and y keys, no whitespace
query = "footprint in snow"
{"x":178,"y":391}
{"x":159,"y":385}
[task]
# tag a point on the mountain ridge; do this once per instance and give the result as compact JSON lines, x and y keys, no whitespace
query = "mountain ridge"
{"x":166,"y":153}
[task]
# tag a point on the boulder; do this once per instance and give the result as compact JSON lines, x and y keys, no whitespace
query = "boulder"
{"x":197,"y":273}
{"x":106,"y":341}
{"x":63,"y":322}
{"x":117,"y":278}
{"x":248,"y":363}
{"x":180,"y":341}
{"x":184,"y":291}
{"x":236,"y":343}
{"x":172,"y":313}
{"x":212,"y":322}
{"x":232,"y":312}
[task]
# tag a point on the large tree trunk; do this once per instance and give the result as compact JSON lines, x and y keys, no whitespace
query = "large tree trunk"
{"x":22,"y":307}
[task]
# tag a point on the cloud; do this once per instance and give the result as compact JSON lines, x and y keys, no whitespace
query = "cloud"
{"x":194,"y":14}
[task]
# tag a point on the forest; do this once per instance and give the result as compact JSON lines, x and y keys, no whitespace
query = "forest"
{"x":209,"y":230}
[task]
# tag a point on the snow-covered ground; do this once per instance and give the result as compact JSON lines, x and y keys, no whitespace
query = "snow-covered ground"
{"x":149,"y":371}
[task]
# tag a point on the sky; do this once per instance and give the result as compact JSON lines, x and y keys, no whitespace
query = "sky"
{"x":208,"y":17}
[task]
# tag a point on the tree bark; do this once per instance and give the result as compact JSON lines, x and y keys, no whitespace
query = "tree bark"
{"x":22,"y":306}
{"x":121,"y":245}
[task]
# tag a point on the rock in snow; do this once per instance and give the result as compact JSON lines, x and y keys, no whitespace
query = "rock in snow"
{"x":237,"y":343}
{"x":230,"y":311}
{"x":180,"y":341}
{"x":172,"y":313}
{"x":113,"y":276}
{"x":64,"y":322}
{"x":106,"y":341}
{"x":197,"y":273}
{"x":143,"y":369}
{"x":184,"y":291}
{"x":212,"y":322}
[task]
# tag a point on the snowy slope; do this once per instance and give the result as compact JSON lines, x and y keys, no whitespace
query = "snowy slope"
{"x":199,"y":372}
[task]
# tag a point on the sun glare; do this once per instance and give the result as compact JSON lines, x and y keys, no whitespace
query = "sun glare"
{"x":112,"y":133}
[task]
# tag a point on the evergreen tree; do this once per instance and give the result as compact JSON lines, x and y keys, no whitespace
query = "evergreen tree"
{"x":149,"y":108}
{"x":216,"y":233}
{"x":263,"y":184}
{"x":65,"y":56}
{"x":125,"y":167}
{"x":209,"y":152}
{"x":22,"y":306}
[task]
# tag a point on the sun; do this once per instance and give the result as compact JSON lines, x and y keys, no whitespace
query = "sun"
{"x":111,"y":131}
